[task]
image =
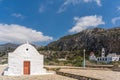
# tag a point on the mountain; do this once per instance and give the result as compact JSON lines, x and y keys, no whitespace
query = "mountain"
{"x":4,"y":49}
{"x":8,"y":45}
{"x":91,"y":40}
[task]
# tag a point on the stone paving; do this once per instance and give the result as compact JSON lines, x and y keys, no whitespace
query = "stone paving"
{"x":99,"y":74}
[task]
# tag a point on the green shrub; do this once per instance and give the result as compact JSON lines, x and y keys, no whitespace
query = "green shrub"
{"x":77,"y":61}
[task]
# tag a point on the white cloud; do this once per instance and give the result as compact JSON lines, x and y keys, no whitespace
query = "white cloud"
{"x":75,"y":2}
{"x":98,"y":2}
{"x":18,"y":15}
{"x":41,"y":9}
{"x":67,"y":3}
{"x":83,"y":23}
{"x":118,"y":8}
{"x":20,"y":34}
{"x":114,"y":20}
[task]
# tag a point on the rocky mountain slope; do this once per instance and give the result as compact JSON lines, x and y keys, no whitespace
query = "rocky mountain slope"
{"x":8,"y":45}
{"x":4,"y":49}
{"x":91,"y":40}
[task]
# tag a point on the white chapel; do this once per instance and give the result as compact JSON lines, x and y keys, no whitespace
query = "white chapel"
{"x":25,"y":60}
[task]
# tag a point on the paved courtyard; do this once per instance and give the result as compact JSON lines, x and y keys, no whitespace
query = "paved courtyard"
{"x":99,"y":74}
{"x":94,"y":73}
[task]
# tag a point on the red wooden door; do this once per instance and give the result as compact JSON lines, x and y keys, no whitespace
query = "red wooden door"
{"x":26,"y":67}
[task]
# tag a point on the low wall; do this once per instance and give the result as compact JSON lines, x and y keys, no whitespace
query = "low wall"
{"x":99,"y":66}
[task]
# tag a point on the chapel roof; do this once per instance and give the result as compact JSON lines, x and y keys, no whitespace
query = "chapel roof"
{"x":25,"y":47}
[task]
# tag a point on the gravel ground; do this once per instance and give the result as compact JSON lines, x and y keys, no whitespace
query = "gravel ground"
{"x":2,"y":67}
{"x":39,"y":77}
{"x":43,"y":77}
{"x":99,"y":74}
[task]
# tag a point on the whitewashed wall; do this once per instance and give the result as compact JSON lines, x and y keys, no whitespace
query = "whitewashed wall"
{"x":17,"y":58}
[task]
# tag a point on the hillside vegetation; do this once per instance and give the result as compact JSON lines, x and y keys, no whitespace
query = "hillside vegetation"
{"x":91,"y":40}
{"x":71,"y":47}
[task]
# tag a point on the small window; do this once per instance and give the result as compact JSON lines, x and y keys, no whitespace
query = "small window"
{"x":103,"y":59}
{"x":26,"y":49}
{"x":98,"y":59}
{"x":106,"y":59}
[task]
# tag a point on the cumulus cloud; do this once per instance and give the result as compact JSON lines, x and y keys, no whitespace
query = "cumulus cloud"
{"x":114,"y":20}
{"x":20,"y":34}
{"x":75,"y":2}
{"x":18,"y":15}
{"x":83,"y":23}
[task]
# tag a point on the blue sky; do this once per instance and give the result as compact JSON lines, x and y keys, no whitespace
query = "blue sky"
{"x":43,"y":21}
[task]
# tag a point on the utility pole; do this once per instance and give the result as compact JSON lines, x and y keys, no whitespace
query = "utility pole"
{"x":84,"y":58}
